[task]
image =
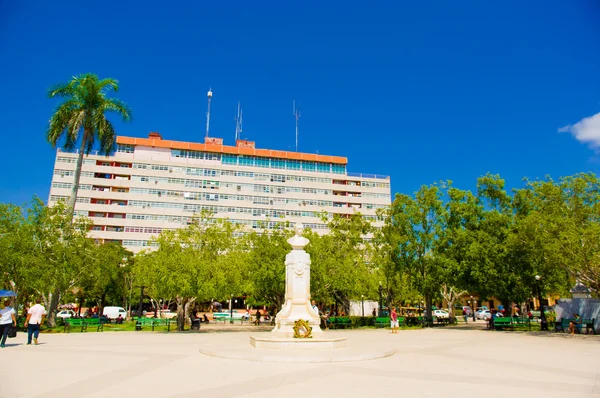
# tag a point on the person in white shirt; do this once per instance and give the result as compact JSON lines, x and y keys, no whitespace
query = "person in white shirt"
{"x":314,"y":307}
{"x":35,"y":317}
{"x":7,"y":319}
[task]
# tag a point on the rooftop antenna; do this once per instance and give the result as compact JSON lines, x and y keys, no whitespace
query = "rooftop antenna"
{"x":238,"y":123}
{"x":209,"y":95}
{"x":297,"y":116}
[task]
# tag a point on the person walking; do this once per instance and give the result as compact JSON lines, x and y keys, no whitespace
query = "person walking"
{"x":35,"y":317}
{"x":7,"y":319}
{"x":394,"y":320}
{"x":465,"y":315}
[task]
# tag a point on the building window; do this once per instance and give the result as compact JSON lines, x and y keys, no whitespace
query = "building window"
{"x":293,"y":165}
{"x":125,"y":148}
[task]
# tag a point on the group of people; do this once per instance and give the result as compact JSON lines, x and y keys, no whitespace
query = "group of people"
{"x":8,"y":320}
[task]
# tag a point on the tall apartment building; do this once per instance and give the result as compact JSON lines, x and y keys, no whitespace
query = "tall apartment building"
{"x":149,"y":185}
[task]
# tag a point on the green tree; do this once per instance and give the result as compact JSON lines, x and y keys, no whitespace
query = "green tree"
{"x":342,"y":266}
{"x":82,"y":116}
{"x":414,"y":227}
{"x":197,"y":263}
{"x":266,"y":266}
{"x":62,"y":252}
{"x":17,"y":251}
{"x":105,"y":280}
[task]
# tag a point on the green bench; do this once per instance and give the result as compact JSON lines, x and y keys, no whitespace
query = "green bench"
{"x":341,"y":322}
{"x":152,"y":322}
{"x":502,"y":322}
{"x":563,"y":325}
{"x":382,"y":322}
{"x":83,"y":324}
{"x":514,"y":322}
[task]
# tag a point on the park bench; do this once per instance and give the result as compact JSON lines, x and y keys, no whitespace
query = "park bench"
{"x":589,"y":325}
{"x":152,"y":322}
{"x":563,"y":325}
{"x":340,"y":322}
{"x":381,"y":322}
{"x":502,"y":322}
{"x":83,"y":324}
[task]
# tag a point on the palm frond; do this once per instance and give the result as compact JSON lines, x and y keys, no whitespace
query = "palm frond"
{"x":109,"y":84}
{"x":63,"y":89}
{"x":117,"y":106}
{"x":106,"y":136}
{"x":67,"y":122}
{"x":85,"y":108}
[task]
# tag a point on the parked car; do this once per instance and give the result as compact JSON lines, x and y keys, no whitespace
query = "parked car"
{"x":484,"y":314}
{"x":440,"y":314}
{"x":64,"y":314}
{"x":114,"y":312}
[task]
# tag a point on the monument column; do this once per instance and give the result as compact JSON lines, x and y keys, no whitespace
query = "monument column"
{"x":297,"y":290}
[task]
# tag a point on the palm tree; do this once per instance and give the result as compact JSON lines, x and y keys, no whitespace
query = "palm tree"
{"x":84,"y":109}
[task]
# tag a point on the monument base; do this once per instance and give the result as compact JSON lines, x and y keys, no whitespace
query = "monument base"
{"x":274,"y":343}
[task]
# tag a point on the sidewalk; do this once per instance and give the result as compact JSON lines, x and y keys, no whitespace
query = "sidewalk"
{"x":432,"y":362}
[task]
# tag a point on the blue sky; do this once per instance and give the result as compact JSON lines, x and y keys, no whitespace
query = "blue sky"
{"x":423,"y":91}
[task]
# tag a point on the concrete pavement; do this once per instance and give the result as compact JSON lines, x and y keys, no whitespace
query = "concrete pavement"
{"x":427,"y":363}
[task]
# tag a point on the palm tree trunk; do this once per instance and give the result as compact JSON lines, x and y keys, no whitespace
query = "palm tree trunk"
{"x":73,"y":197}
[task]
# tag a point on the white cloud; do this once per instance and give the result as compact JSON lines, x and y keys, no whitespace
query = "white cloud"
{"x":587,"y":130}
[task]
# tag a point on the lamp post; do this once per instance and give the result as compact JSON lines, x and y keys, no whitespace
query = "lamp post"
{"x":231,"y":309}
{"x":474,"y":306}
{"x":380,"y":299}
{"x":362,"y":301}
{"x":544,"y":322}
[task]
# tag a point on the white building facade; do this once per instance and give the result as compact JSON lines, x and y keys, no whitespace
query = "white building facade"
{"x":150,"y":185}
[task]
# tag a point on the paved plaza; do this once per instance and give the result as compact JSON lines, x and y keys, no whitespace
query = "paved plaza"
{"x":426,"y":363}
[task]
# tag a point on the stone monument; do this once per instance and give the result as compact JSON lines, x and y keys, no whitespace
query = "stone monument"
{"x":297,"y":290}
{"x":297,"y":305}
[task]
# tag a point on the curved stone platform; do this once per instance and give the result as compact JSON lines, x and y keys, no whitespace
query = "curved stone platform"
{"x":241,"y":350}
{"x":320,"y":343}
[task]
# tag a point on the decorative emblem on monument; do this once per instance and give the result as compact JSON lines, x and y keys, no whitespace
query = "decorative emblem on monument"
{"x":302,"y":329}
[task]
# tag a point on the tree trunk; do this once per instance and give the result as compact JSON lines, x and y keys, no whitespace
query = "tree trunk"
{"x":428,"y":304}
{"x":101,"y":306}
{"x":180,"y":313}
{"x":53,"y":307}
{"x":186,"y":308}
{"x":73,"y":197}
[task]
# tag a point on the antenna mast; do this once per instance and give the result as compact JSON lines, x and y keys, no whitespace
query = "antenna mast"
{"x":238,"y":123}
{"x":297,"y":117}
{"x":209,"y":95}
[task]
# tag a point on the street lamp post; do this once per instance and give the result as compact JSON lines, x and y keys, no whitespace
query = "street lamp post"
{"x":362,"y":301}
{"x":380,"y":299}
{"x":231,"y":309}
{"x":474,"y":306}
{"x":544,"y":322}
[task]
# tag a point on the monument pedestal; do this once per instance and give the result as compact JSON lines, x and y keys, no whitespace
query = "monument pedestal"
{"x":297,"y":305}
{"x":275,"y":343}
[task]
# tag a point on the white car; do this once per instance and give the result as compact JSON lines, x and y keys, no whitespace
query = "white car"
{"x":440,"y":314}
{"x":65,"y":314}
{"x":484,"y":314}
